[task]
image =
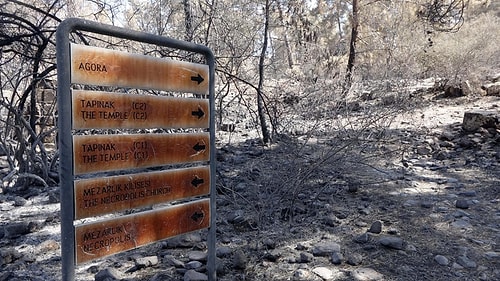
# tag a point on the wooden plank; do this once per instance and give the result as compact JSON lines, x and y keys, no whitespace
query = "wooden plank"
{"x":93,"y":109}
{"x":98,"y":239}
{"x":102,"y":153}
{"x":99,"y":196}
{"x":104,"y":67}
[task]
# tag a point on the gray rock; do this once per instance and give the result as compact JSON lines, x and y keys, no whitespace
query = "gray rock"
{"x":336,"y":258}
{"x":473,"y":120}
{"x":17,"y":229}
{"x":411,"y":248}
{"x":184,"y":241}
{"x":193,"y":275}
{"x":172,"y":261}
{"x":9,"y":255}
{"x":272,"y":256}
{"x":365,"y":211}
{"x":441,"y":260}
{"x":462,"y":204}
{"x":19,"y":201}
{"x":93,"y":269}
{"x":331,"y":220}
{"x":305,"y":257}
{"x":393,"y":231}
{"x":363,"y":238}
{"x":354,"y":259}
{"x":223,"y":251}
{"x":456,"y":266}
{"x":161,"y":277}
{"x":426,"y":204}
{"x":411,"y":203}
{"x":360,"y":223}
{"x":441,"y":154}
{"x":366,"y":274}
{"x":423,"y":150}
{"x":466,"y":262}
{"x":325,"y":249}
{"x":240,"y":260}
{"x":460,"y":223}
{"x":197,"y":256}
{"x":341,"y":214}
{"x":460,"y":214}
{"x":240,"y":187}
{"x":392,"y":242}
{"x":492,"y":255}
{"x":376,"y":227}
{"x":107,"y":274}
{"x":193,"y":265}
{"x":352,"y":187}
{"x":54,"y":197}
{"x":301,"y":247}
{"x":468,"y":193}
{"x":269,"y":243}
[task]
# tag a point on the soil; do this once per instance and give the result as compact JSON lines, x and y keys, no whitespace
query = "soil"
{"x":424,"y":184}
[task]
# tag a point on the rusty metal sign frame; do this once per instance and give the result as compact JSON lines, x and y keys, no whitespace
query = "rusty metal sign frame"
{"x":64,"y":99}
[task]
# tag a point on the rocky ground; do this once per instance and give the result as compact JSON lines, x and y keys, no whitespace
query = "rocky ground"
{"x":429,"y":210}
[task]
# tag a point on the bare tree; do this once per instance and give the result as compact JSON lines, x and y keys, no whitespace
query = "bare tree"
{"x":188,"y":20}
{"x":443,"y":15}
{"x":27,"y":65}
{"x":352,"y":46}
{"x":266,"y":136}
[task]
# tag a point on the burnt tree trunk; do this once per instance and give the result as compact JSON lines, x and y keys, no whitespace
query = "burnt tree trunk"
{"x":266,"y":137}
{"x":352,"y":46}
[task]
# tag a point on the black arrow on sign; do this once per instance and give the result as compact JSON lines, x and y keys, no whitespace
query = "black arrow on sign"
{"x":197,"y":181}
{"x":198,"y":79}
{"x":198,"y":216}
{"x":198,"y":113}
{"x":199,"y":147}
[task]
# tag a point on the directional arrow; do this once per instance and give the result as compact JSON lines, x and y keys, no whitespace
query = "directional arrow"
{"x":198,"y":216}
{"x":197,"y":181}
{"x":199,"y":147}
{"x":198,"y":79}
{"x":198,"y":113}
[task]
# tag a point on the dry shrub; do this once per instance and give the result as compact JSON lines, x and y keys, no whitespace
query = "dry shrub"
{"x":469,"y":53}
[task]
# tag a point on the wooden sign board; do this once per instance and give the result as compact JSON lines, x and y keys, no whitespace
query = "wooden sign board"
{"x":103,"y":238}
{"x":99,"y":196}
{"x":92,"y":109}
{"x":97,"y":66}
{"x":116,"y":152}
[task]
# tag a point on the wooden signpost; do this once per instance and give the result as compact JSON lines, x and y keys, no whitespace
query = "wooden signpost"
{"x":92,"y":109}
{"x":102,"y":238}
{"x":108,"y":173}
{"x":98,"y":66}
{"x":99,"y":153}
{"x":99,"y":196}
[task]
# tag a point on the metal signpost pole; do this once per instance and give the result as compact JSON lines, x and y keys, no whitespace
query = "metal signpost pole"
{"x":65,"y":144}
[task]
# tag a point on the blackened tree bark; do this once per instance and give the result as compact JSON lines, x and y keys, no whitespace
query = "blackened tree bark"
{"x":188,"y":20}
{"x":266,"y":136}
{"x":352,"y":47}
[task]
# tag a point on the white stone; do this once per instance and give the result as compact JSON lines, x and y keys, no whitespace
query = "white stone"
{"x":324,"y":273}
{"x":366,"y":274}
